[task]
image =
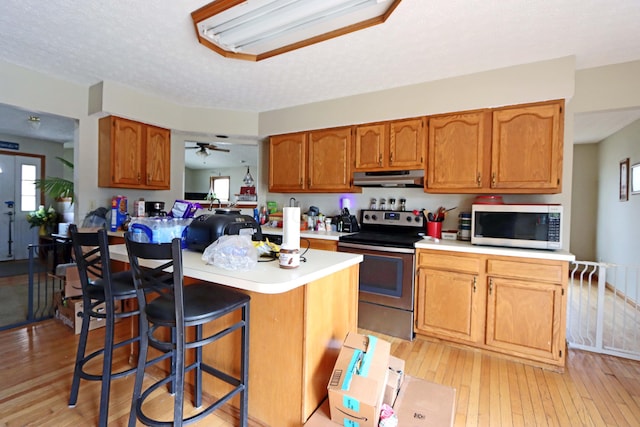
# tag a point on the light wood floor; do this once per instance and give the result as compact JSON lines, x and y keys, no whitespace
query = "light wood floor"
{"x":36,"y":365}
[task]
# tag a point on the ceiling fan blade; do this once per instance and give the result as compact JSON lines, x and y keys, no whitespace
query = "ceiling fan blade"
{"x":215,"y":148}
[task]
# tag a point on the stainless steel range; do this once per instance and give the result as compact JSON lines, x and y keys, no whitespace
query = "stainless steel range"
{"x":387,"y":273}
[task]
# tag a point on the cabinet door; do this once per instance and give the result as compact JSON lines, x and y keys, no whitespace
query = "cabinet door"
{"x":524,"y":318}
{"x":407,"y":144}
{"x":158,"y":157}
{"x":127,"y":149}
{"x":526,"y":148}
{"x":288,"y":162}
{"x":322,"y":244}
{"x":459,"y":152}
{"x":448,"y":305}
{"x":330,"y":160}
{"x":370,"y":146}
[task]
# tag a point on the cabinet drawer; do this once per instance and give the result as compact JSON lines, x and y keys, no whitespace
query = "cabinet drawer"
{"x":452,"y":261}
{"x":540,"y":271}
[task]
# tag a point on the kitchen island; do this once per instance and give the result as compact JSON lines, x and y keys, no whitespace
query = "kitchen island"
{"x":299,"y":318}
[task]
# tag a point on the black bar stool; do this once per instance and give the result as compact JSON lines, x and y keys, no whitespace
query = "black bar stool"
{"x":99,"y":286}
{"x":175,"y":308}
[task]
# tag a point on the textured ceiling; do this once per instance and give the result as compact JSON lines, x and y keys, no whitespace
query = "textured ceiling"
{"x":151,"y":45}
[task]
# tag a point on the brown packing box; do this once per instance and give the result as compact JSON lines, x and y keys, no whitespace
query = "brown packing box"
{"x":420,"y":403}
{"x":72,"y":285}
{"x":358,"y":381}
{"x":67,"y":311}
{"x":396,"y":377}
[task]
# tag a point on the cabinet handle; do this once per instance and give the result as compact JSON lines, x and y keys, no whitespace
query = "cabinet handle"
{"x":390,"y":158}
{"x":479,"y":179}
{"x":138,"y":176}
{"x":301,"y":183}
{"x":148,"y":177}
{"x":474,"y":284}
{"x":380,"y":159}
{"x":493,"y":179}
{"x":490,"y":286}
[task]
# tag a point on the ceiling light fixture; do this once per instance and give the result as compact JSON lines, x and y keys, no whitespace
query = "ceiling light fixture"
{"x":202,"y":152}
{"x":258,"y":29}
{"x":34,"y":122}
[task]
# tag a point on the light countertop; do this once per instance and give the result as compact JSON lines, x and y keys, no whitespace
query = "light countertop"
{"x":266,"y":277}
{"x":307,"y":234}
{"x":464,"y":246}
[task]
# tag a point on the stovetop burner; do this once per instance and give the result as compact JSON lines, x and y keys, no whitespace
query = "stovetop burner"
{"x":387,"y":228}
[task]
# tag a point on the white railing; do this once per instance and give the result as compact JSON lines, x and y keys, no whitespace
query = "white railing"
{"x":603,"y":315}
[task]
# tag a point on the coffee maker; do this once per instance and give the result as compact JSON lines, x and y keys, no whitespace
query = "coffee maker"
{"x":154,"y":209}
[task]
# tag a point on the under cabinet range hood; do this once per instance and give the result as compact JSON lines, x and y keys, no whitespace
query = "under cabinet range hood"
{"x":404,"y":178}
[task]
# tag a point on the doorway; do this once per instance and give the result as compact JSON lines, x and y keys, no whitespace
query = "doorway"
{"x":18,"y":198}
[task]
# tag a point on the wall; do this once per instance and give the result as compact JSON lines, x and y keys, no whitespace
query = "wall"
{"x":618,"y":231}
{"x":609,"y":225}
{"x":584,"y":200}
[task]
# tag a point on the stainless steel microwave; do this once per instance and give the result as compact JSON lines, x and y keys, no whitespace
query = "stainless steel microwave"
{"x":517,"y":226}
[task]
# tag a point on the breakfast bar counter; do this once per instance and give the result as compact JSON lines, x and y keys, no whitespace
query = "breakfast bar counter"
{"x":298,"y":320}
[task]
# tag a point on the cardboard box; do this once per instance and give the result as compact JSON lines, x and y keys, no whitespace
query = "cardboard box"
{"x":394,"y":382}
{"x":67,"y":310}
{"x":358,"y":380}
{"x":422,"y":403}
{"x":419,"y":404}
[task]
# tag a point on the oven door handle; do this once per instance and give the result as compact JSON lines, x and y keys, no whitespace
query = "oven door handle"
{"x":375,"y":248}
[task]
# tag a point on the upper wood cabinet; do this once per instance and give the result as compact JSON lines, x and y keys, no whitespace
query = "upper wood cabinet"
{"x":315,"y":162}
{"x":526,"y":147}
{"x":459,"y":151}
{"x":133,"y":155}
{"x":288,"y":162}
{"x":395,"y":145}
{"x":514,"y":149}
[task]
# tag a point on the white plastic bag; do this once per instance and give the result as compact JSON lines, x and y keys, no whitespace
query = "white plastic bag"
{"x":231,"y":252}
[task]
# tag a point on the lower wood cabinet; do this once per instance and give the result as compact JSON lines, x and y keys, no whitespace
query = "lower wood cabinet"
{"x":322,"y":244}
{"x":511,"y":305}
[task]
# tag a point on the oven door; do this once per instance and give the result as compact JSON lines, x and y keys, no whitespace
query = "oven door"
{"x":386,"y":288}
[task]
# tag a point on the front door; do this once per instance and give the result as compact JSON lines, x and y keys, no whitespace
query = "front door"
{"x":18,"y":197}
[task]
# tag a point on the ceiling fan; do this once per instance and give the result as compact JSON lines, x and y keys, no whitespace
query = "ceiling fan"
{"x":202,"y":148}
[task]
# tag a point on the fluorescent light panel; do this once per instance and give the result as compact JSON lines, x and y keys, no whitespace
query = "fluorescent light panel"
{"x":257,"y":26}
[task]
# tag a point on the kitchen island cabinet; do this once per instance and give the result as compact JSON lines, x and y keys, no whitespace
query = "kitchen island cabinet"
{"x":496,"y":299}
{"x":298,"y":320}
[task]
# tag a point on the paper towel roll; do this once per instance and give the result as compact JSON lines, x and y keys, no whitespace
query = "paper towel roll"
{"x":290,"y":228}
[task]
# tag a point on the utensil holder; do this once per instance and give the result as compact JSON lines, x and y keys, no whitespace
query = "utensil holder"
{"x":434,"y":229}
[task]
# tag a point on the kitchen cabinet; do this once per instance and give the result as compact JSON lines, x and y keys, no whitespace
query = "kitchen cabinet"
{"x":526,"y":308}
{"x":394,"y":145}
{"x":133,"y":155}
{"x":311,"y":162}
{"x":288,"y":162}
{"x":510,"y":305}
{"x":526,"y":148}
{"x":449,"y":295}
{"x":322,"y":244}
{"x":459,"y":152}
{"x":516,"y":149}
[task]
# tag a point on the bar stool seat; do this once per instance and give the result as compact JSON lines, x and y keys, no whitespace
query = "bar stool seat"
{"x":177,"y":307}
{"x":101,"y":291}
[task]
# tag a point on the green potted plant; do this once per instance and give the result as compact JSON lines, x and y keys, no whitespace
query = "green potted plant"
{"x":61,"y":190}
{"x":43,"y":218}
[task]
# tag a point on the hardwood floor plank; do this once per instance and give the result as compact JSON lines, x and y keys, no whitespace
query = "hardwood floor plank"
{"x":36,"y":366}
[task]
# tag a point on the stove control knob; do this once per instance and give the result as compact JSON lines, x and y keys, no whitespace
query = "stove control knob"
{"x":366,"y":216}
{"x":409,"y":218}
{"x":374,"y":217}
{"x":417,"y":218}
